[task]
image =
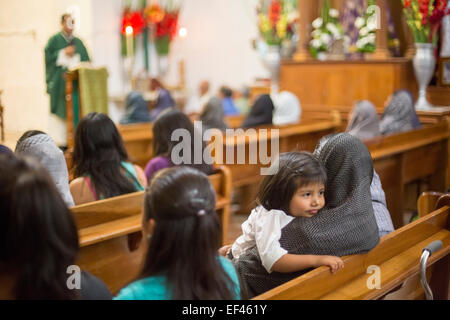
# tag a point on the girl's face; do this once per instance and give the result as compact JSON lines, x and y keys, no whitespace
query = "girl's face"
{"x":307,"y":200}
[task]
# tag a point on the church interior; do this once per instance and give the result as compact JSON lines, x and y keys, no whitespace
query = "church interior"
{"x":358,"y":88}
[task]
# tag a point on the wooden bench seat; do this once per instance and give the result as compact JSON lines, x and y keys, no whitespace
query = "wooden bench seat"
{"x":397,"y":255}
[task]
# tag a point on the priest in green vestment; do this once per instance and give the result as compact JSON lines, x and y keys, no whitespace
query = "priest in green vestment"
{"x":62,"y":52}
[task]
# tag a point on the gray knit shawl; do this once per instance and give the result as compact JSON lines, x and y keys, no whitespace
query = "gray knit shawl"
{"x":212,"y":116}
{"x":346,"y":225}
{"x":365,"y":123}
{"x":399,"y":115}
{"x":42,"y":148}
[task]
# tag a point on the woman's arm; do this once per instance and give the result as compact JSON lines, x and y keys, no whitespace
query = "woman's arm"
{"x":297,"y":262}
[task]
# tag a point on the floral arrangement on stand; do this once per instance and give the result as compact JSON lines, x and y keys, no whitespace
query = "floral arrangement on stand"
{"x":367,"y":26}
{"x":277,"y":21}
{"x":327,"y":30}
{"x":163,"y":21}
{"x":424,"y":18}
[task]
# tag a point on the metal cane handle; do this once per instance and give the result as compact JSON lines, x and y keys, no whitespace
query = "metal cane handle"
{"x":434,"y":246}
{"x":426,"y":253}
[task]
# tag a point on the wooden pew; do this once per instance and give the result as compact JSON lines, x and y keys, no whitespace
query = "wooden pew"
{"x":302,"y":136}
{"x":138,"y":141}
{"x":429,"y":201}
{"x":408,"y":157}
{"x":397,"y":255}
{"x":111,"y":245}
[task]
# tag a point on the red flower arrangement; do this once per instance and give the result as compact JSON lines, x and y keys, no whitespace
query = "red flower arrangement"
{"x":424,"y":17}
{"x":165,"y":23}
{"x":133,"y":19}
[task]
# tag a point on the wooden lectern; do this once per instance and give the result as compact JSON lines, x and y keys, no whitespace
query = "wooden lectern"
{"x":70,"y":77}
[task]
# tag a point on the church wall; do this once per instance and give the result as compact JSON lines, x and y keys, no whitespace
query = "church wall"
{"x":217,"y":48}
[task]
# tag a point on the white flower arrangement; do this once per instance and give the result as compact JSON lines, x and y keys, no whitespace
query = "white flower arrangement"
{"x":367,"y":26}
{"x":327,"y":29}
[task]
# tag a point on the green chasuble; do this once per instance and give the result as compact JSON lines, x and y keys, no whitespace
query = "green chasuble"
{"x":56,"y":84}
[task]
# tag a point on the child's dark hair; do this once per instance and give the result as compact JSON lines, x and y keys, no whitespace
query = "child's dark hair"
{"x":38,"y":236}
{"x":163,"y":128}
{"x":186,"y":236}
{"x":98,"y":153}
{"x":295,"y":170}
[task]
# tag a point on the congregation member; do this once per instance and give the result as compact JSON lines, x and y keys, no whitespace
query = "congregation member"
{"x":41,"y":147}
{"x":5,"y":149}
{"x":399,"y":114}
{"x":364,"y":121}
{"x":101,"y":166}
{"x":242,"y":100}
{"x":382,"y":215}
{"x":346,"y":225}
{"x":197,"y":103}
{"x":38,"y":238}
{"x":136,"y":109}
{"x":287,"y":109}
{"x":226,"y":95}
{"x":164,"y":99}
{"x":295,"y":190}
{"x":212,"y":116}
{"x":182,"y":235}
{"x":163,"y":145}
{"x":261,"y":112}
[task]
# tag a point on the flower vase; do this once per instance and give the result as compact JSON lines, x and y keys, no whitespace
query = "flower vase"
{"x":424,"y":63}
{"x":272,"y":61}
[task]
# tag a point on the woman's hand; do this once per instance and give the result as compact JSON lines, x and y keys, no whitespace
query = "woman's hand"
{"x":225,"y":250}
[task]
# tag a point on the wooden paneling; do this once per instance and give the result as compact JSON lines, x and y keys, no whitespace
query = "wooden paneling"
{"x":341,"y":83}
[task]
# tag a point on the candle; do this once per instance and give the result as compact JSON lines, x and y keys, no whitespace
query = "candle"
{"x":129,"y":38}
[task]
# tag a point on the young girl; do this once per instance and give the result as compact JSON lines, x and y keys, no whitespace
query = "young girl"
{"x":163,"y":128}
{"x":38,"y":237}
{"x":101,"y":164}
{"x":296,"y":190}
{"x":183,"y":233}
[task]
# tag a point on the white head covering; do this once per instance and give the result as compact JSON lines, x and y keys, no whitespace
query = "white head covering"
{"x":287,"y":108}
{"x":365,"y":123}
{"x":42,"y":148}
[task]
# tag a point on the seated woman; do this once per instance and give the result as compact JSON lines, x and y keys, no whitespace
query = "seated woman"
{"x":226,"y":95}
{"x":101,"y":166}
{"x":40,"y":146}
{"x":212,"y":116}
{"x":287,"y":109}
{"x":38,"y":238}
{"x":136,"y":109}
{"x":163,"y":101}
{"x":364,"y":122}
{"x":346,"y":225}
{"x":163,"y":145}
{"x":183,"y":235}
{"x":261,"y":113}
{"x":399,"y":114}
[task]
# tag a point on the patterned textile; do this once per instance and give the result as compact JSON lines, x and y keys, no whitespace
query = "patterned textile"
{"x":399,"y":115}
{"x":212,"y":116}
{"x":352,"y":10}
{"x":365,"y":123}
{"x":346,"y":225}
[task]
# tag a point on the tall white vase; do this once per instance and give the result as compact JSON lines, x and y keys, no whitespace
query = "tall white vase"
{"x":424,"y":63}
{"x":272,"y":61}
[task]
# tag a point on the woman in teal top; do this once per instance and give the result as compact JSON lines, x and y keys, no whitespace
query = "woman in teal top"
{"x":183,"y":235}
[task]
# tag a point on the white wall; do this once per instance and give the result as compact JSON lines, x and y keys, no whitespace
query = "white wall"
{"x":217,"y":48}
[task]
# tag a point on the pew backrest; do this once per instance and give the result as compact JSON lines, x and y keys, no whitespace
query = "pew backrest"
{"x":395,"y":258}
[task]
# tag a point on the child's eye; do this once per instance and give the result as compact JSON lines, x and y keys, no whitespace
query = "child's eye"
{"x":306,"y":194}
{"x":322,"y":192}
